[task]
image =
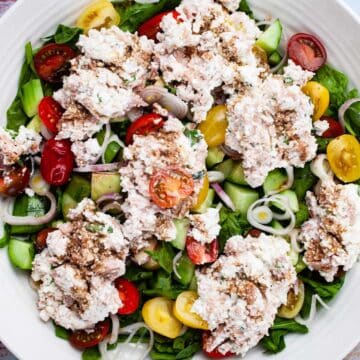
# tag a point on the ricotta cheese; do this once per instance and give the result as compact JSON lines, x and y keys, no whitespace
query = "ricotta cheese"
{"x":205,"y":227}
{"x":240,"y":293}
{"x":77,"y":269}
{"x":331,"y":236}
{"x":86,"y":152}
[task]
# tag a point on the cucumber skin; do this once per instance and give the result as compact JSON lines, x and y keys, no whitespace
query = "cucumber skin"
{"x":241,"y":196}
{"x":182,"y":226}
{"x":270,"y":39}
{"x":225,"y":167}
{"x":21,"y":254}
{"x":215,"y":156}
{"x":274,"y":181}
{"x":290,"y":195}
{"x":237,"y":175}
{"x":104,"y":183}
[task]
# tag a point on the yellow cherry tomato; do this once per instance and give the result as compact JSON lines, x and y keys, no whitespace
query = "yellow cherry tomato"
{"x":344,"y":157}
{"x":158,"y":315}
{"x":319,"y":96}
{"x":295,"y":302}
{"x":99,"y":14}
{"x":203,"y":193}
{"x":214,"y":126}
{"x":182,"y":311}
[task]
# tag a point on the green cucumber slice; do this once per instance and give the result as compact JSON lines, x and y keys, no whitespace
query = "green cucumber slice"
{"x":237,"y":174}
{"x":104,"y":183}
{"x":215,"y":156}
{"x":242,"y":197}
{"x":225,"y":167}
{"x":21,"y":253}
{"x":182,"y":227}
{"x":275,"y":58}
{"x":274,"y":181}
{"x":35,"y":124}
{"x":270,"y":39}
{"x":186,"y":270}
{"x":290,"y":197}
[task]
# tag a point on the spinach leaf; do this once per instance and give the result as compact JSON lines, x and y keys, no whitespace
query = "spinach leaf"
{"x":91,"y":354}
{"x":16,"y":116}
{"x":133,"y":15}
{"x":232,"y":223}
{"x":352,"y":119}
{"x":304,"y":180}
{"x":327,"y":291}
{"x":137,"y":274}
{"x":65,"y":35}
{"x":244,"y":7}
{"x":302,"y":215}
{"x":61,"y":332}
{"x":322,"y":144}
{"x":275,"y":342}
{"x":164,"y":256}
{"x":337,"y":84}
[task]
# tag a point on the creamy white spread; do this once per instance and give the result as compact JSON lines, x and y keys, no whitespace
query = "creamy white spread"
{"x":77,"y":269}
{"x":240,"y":293}
{"x":331,"y":236}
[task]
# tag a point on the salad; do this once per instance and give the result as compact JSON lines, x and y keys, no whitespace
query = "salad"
{"x":179,"y":176}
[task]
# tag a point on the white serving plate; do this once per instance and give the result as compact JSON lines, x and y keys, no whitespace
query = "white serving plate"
{"x":332,"y":335}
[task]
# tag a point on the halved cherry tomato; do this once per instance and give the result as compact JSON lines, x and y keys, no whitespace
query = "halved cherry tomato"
{"x":14,"y":180}
{"x":52,"y":62}
{"x":307,"y":51}
{"x":215,"y":354}
{"x":129,"y":296}
{"x":144,"y":126}
{"x":40,"y":241}
{"x":254,"y":233}
{"x":169,"y":186}
{"x":50,"y":112}
{"x":57,"y":162}
{"x":343,"y":154}
{"x":151,"y":27}
{"x":99,"y":14}
{"x":335,"y":129}
{"x":214,"y":126}
{"x":83,"y":340}
{"x":201,"y":254}
{"x":319,"y":96}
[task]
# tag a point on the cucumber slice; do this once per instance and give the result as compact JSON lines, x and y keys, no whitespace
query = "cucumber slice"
{"x":29,"y":206}
{"x":241,"y":196}
{"x":274,"y":181}
{"x":300,"y":266}
{"x":237,"y":174}
{"x":225,"y":167}
{"x":270,"y":39}
{"x":21,"y":253}
{"x":182,"y":227}
{"x":68,"y":203}
{"x":290,"y":197}
{"x":275,"y":58}
{"x":207,"y":203}
{"x":215,"y":156}
{"x":186,"y":270}
{"x":31,"y":95}
{"x":111,"y":152}
{"x":35,"y":124}
{"x":104,"y":183}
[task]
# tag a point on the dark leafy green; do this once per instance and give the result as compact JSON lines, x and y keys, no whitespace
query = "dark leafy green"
{"x":302,"y":215}
{"x":194,"y":136}
{"x":5,"y":236}
{"x":91,"y":354}
{"x":137,"y":274}
{"x":134,"y":14}
{"x":232,"y":223}
{"x":164,"y":256}
{"x":322,"y":144}
{"x":244,"y":7}
{"x":275,"y":342}
{"x":61,"y":332}
{"x":352,"y":119}
{"x":304,"y":181}
{"x":65,"y":35}
{"x":337,"y":83}
{"x":16,"y":116}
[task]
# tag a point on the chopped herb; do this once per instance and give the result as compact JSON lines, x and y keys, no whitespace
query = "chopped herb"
{"x":194,"y":135}
{"x":94,"y":228}
{"x":288,"y":80}
{"x":199,"y":175}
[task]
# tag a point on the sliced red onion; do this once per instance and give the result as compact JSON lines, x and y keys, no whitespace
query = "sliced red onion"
{"x":115,"y":329}
{"x":108,"y":197}
{"x":27,"y":220}
{"x":223,"y":196}
{"x":232,"y":154}
{"x":134,"y":114}
{"x":175,"y":262}
{"x":294,"y":241}
{"x":114,"y":206}
{"x":277,"y":67}
{"x":157,"y":94}
{"x":45,"y":132}
{"x":320,"y":167}
{"x":99,"y":168}
{"x":216,"y":176}
{"x":343,"y":110}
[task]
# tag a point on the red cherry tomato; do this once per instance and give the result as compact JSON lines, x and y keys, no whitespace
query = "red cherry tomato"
{"x":254,"y":233}
{"x":307,"y":51}
{"x":201,"y":254}
{"x":52,"y":62}
{"x":151,"y":27}
{"x":50,"y":112}
{"x":82,"y":339}
{"x":41,"y":237}
{"x":168,"y":187}
{"x":57,"y":162}
{"x":14,"y":180}
{"x":215,"y":354}
{"x":144,"y":126}
{"x":129,"y":296}
{"x":335,"y":129}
